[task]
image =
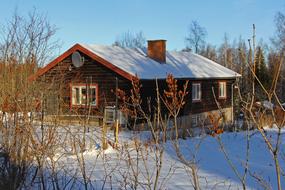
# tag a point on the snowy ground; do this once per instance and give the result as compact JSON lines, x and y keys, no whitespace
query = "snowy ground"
{"x":115,"y":169}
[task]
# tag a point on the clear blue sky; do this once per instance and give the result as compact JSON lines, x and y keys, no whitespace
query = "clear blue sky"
{"x":100,"y":22}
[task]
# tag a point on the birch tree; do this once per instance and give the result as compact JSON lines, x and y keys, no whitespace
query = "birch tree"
{"x":196,"y":36}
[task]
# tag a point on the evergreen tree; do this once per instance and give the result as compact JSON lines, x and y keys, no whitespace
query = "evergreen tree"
{"x":279,"y":44}
{"x":273,"y":61}
{"x":261,"y":70}
{"x":242,"y":66}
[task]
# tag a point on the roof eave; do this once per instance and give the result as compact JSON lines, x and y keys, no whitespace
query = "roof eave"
{"x":78,"y":47}
{"x":196,"y":78}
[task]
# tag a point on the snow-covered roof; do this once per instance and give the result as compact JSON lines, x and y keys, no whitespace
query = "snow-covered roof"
{"x":180,"y":64}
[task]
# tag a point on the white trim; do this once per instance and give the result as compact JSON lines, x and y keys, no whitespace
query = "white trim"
{"x":196,"y":91}
{"x":222,"y":89}
{"x":79,"y":97}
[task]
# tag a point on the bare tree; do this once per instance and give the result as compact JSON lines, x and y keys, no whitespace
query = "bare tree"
{"x":279,"y":43}
{"x":196,"y":37}
{"x":174,"y":99}
{"x":131,"y":40}
{"x":210,"y":52}
{"x":157,"y":125}
{"x":279,"y":39}
{"x":25,"y":44}
{"x":28,"y":38}
{"x":226,"y":53}
{"x":274,"y":118}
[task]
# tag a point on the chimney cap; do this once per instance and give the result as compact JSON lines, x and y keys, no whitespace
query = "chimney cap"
{"x":156,"y":40}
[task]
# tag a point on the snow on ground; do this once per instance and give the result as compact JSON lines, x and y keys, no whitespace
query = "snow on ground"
{"x":212,"y":160}
{"x":115,"y":169}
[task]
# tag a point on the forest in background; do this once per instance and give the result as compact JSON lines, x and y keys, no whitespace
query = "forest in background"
{"x":240,"y":54}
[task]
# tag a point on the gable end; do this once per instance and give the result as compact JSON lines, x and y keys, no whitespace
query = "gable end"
{"x":78,"y":47}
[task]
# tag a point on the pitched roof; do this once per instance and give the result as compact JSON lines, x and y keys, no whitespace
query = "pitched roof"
{"x":180,"y":64}
{"x":130,"y":62}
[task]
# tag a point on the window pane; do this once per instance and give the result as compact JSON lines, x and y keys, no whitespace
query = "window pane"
{"x":196,"y":119}
{"x":83,"y":95}
{"x":92,"y":96}
{"x":196,"y":91}
{"x":77,"y":96}
{"x":222,"y":89}
{"x":199,"y":92}
{"x":73,"y":95}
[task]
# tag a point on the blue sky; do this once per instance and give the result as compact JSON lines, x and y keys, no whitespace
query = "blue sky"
{"x":100,"y":22}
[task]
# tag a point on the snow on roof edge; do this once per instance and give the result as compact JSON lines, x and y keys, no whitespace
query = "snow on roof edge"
{"x":205,"y":58}
{"x":140,"y":59}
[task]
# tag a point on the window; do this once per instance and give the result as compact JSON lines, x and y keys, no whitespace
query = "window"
{"x":196,"y":119}
{"x":109,"y":114}
{"x":84,"y":95}
{"x":196,"y":91}
{"x":222,"y":89}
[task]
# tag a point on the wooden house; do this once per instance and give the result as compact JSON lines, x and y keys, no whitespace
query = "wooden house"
{"x":106,"y":67}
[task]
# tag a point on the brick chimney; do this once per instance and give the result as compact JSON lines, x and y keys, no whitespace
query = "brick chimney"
{"x":156,"y":50}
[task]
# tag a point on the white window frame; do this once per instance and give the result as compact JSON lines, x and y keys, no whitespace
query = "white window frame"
{"x":196,"y":91}
{"x":222,"y":89}
{"x":76,"y":100}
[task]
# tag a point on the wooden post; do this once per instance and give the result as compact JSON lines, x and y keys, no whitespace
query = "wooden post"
{"x":104,"y":132}
{"x":104,"y":139}
{"x":116,"y":131}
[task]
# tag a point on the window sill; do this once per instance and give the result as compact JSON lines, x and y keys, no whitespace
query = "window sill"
{"x":83,"y":106}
